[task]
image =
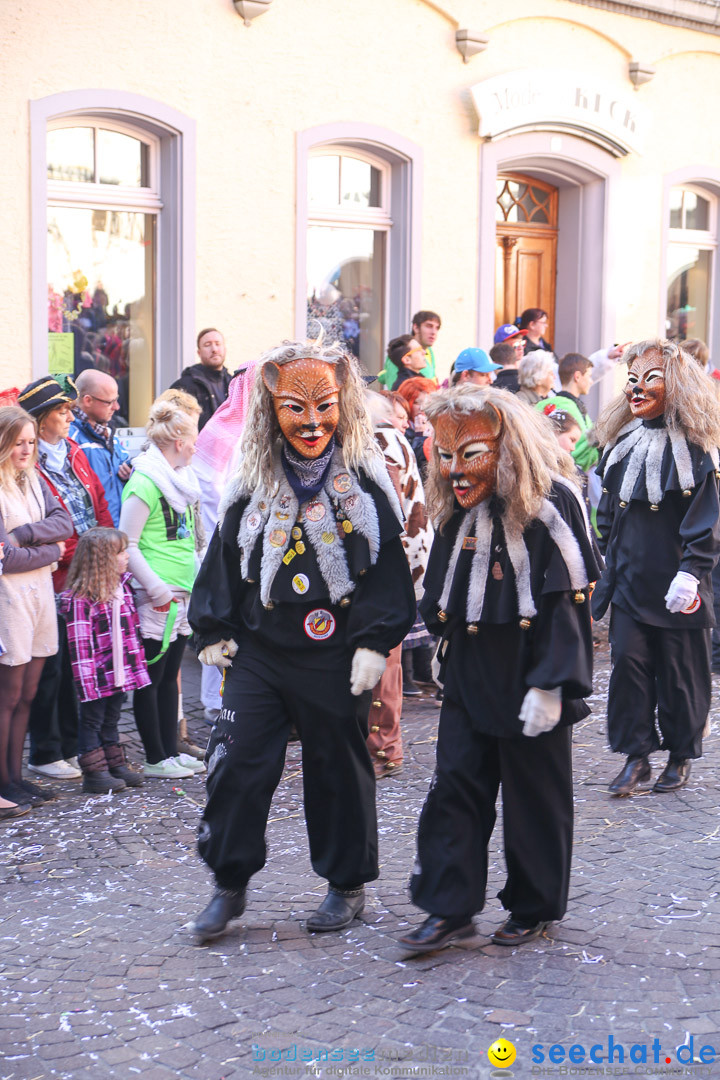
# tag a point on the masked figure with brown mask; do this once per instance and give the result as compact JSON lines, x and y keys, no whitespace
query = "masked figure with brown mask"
{"x":506,"y":588}
{"x":303,"y":592}
{"x":658,"y":517}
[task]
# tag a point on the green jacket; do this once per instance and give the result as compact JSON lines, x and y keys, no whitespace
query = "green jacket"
{"x":389,"y":373}
{"x":584,"y":455}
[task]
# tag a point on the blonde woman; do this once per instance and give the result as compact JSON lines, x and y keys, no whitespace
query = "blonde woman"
{"x":158,"y":516}
{"x":33,"y":528}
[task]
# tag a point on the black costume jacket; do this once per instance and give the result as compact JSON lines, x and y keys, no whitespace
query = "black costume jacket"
{"x":652,"y":534}
{"x":297,"y":617}
{"x":490,"y":669}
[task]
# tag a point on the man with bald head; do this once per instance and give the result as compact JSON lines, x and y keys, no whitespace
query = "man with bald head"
{"x":97,"y":401}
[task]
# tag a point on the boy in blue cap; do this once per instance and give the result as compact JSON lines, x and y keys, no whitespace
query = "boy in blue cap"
{"x":473,"y":366}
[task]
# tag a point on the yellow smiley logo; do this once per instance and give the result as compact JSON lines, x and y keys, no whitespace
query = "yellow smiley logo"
{"x":501,"y":1053}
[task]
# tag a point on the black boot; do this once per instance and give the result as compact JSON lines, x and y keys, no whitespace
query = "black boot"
{"x":337,"y":910}
{"x":422,"y":664}
{"x":635,"y":770}
{"x":675,"y":775}
{"x":409,"y":687}
{"x":96,"y":778}
{"x":226,"y":904}
{"x":118,"y":766}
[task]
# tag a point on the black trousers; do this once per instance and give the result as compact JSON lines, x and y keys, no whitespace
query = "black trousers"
{"x":264,"y":695}
{"x":654,"y":666}
{"x":99,"y":722}
{"x":54,"y":712}
{"x":458,"y":818}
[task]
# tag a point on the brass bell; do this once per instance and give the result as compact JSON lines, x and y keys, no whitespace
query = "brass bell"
{"x":623,"y":504}
{"x":381,"y":753}
{"x":269,"y":606}
{"x":606,"y":491}
{"x":654,"y":506}
{"x":442,"y":616}
{"x":377,"y":704}
{"x":717,"y":474}
{"x":250,"y":581}
{"x":472,"y":628}
{"x":345,"y":602}
{"x":579,"y":597}
{"x":376,"y":727}
{"x":525,"y":624}
{"x":687,"y":493}
{"x":362,"y":573}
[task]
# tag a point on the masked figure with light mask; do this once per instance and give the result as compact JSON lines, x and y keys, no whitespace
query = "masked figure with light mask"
{"x":658,"y":516}
{"x":303,"y":592}
{"x":507,"y":590}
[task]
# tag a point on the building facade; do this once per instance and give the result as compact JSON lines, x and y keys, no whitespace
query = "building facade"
{"x":270,"y":166}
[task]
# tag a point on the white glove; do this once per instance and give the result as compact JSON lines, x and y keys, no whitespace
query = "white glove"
{"x":367,"y":670}
{"x":682,"y":592}
{"x":218,"y":655}
{"x":540,"y":710}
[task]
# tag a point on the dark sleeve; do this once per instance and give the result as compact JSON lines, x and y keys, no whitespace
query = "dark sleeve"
{"x":562,"y":647}
{"x":214,"y":612}
{"x":383,"y":607}
{"x":604,"y":520}
{"x":700,"y":531}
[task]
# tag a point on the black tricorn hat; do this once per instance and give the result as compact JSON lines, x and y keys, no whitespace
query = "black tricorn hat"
{"x":46,"y":393}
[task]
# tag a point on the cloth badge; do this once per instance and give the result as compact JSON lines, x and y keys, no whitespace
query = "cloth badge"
{"x":342,"y":483}
{"x":289,"y":556}
{"x":315,"y":511}
{"x":469,"y":543}
{"x":301,"y":583}
{"x":278,"y":537}
{"x":319,"y":624}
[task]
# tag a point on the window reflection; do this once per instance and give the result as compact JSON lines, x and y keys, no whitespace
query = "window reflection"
{"x":96,"y":155}
{"x":71,"y":155}
{"x":345,"y":281}
{"x":100,"y":299}
{"x":121,"y":159}
{"x":688,"y":293}
{"x":688,"y":210}
{"x":338,"y":180}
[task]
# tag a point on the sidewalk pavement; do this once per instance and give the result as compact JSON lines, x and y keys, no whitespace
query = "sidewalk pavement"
{"x":99,"y":977}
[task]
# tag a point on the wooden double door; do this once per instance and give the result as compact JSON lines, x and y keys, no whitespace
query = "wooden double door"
{"x":526,"y":254}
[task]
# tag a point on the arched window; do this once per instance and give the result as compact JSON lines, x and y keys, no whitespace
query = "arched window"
{"x":103,"y":204}
{"x":358,"y":236}
{"x":347,"y":240}
{"x":690,"y":257}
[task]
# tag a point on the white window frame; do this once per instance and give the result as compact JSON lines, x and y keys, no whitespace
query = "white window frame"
{"x":697,"y":239}
{"x":400,"y":216}
{"x":172,"y":137}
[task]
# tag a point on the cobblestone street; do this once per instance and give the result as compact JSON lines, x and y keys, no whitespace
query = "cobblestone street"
{"x":100,"y":977}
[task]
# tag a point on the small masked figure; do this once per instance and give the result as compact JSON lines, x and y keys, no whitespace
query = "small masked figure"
{"x":658,"y":518}
{"x":506,"y":588}
{"x":303,"y":592}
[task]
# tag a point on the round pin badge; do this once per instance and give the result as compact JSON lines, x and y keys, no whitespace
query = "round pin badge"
{"x":280,"y":516}
{"x":342,"y":483}
{"x":319,"y":624}
{"x":278,"y":537}
{"x":694,"y":605}
{"x":254,"y":522}
{"x":315,"y":511}
{"x":300,"y":547}
{"x":296,"y":533}
{"x":328,"y":538}
{"x":350,"y":502}
{"x":301,"y":583}
{"x":347,"y":526}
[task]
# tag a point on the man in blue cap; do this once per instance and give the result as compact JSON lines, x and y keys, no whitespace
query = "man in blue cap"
{"x":473,"y":366}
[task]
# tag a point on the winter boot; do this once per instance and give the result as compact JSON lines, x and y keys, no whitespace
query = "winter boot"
{"x":409,"y":688}
{"x":96,"y":778}
{"x":118,"y":766}
{"x":422,"y":661}
{"x":185,"y":745}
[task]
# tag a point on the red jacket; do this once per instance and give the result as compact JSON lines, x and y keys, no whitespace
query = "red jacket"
{"x":89,"y":480}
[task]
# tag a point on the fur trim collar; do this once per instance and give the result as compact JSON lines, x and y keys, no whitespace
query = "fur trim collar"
{"x":644,"y":463}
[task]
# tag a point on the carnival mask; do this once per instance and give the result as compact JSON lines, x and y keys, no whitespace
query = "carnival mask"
{"x":305,"y":396}
{"x":469,"y":449}
{"x":645,"y":389}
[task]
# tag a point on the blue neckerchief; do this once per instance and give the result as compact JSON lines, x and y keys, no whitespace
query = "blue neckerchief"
{"x":306,"y":476}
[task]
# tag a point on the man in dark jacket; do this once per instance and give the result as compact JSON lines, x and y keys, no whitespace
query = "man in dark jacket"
{"x":209,"y":380}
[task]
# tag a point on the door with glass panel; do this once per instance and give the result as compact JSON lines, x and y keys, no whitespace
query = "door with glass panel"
{"x":103,"y":205}
{"x":526,"y":251}
{"x":347,"y":247}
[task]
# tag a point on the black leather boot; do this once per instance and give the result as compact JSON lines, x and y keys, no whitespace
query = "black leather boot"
{"x":437,"y":932}
{"x":226,"y":904}
{"x":337,"y":910}
{"x":634,"y":772}
{"x":675,"y":775}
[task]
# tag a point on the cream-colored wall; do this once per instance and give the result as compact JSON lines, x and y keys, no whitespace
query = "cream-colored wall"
{"x":311,"y":62}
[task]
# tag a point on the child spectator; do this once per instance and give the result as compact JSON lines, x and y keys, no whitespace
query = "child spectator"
{"x":106,"y":654}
